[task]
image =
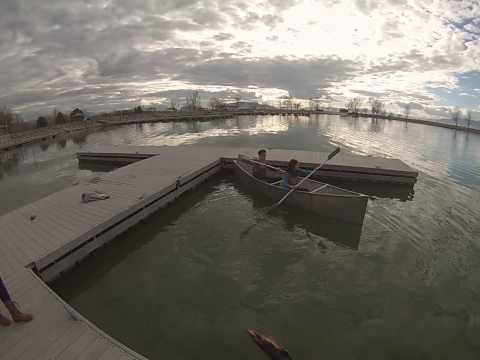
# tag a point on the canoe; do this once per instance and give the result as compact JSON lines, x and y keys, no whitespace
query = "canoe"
{"x":320,"y":198}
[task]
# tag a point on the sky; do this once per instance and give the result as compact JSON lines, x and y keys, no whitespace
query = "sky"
{"x":115,"y":54}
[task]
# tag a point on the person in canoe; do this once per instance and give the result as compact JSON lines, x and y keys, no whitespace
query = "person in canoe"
{"x":292,"y":176}
{"x":260,"y":171}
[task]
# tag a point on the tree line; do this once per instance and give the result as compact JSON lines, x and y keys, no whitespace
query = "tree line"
{"x":11,"y":122}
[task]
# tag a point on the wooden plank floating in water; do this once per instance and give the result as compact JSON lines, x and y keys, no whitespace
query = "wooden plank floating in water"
{"x":54,"y":233}
{"x":344,"y":166}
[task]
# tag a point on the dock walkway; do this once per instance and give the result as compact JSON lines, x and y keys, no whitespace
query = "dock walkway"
{"x":344,"y":166}
{"x":41,"y":240}
{"x":52,"y":234}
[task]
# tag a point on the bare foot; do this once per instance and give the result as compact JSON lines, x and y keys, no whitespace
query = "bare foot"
{"x":4,"y":321}
{"x":22,"y":317}
{"x":16,"y":314}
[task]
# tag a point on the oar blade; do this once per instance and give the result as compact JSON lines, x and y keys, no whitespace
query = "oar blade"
{"x":333,"y":153}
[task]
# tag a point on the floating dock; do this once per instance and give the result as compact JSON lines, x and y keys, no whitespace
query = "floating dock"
{"x":343,"y":166}
{"x":43,"y":239}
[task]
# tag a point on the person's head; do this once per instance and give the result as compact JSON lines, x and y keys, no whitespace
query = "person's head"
{"x":262,"y":154}
{"x":292,"y":165}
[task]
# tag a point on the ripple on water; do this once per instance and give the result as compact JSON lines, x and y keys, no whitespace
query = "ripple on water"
{"x":406,"y":283}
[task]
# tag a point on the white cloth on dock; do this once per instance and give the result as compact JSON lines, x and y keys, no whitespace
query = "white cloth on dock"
{"x":94,"y":196}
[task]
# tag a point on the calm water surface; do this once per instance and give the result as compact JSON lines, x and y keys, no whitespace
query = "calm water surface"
{"x":186,"y":285}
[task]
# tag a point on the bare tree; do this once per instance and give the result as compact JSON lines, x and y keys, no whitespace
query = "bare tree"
{"x":284,"y":102}
{"x":60,"y":118}
{"x":468,"y":118}
{"x":173,"y":105}
{"x":354,"y":105}
{"x":193,"y":101}
{"x":456,"y":114}
{"x":406,"y":110}
{"x":378,"y":107}
{"x":42,"y":122}
{"x":290,"y":102}
{"x":6,"y":118}
{"x":213,"y":102}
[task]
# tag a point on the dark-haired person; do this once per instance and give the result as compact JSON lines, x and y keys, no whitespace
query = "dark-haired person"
{"x":292,"y":176}
{"x":12,"y":308}
{"x":260,"y":171}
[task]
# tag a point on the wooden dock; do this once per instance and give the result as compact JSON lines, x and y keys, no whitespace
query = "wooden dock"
{"x":344,"y":166}
{"x":54,"y":233}
{"x":41,"y":240}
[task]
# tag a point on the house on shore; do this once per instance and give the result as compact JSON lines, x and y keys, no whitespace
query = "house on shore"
{"x":247,"y":106}
{"x":79,"y":115}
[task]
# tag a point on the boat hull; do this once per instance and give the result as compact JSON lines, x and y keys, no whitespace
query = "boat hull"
{"x":347,"y":208}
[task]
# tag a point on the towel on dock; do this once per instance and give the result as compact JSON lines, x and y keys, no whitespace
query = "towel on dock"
{"x":94,"y":196}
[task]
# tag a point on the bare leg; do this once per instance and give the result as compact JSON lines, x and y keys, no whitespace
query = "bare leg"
{"x":13,"y":309}
{"x":16,"y":314}
{"x":5,"y":297}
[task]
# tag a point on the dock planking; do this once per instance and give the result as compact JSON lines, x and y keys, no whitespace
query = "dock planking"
{"x":344,"y":166}
{"x":41,"y":240}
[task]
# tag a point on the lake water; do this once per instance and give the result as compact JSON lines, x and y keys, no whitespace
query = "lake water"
{"x":186,"y":285}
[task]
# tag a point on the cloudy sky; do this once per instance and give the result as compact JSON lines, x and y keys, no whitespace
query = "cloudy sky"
{"x":109,"y":54}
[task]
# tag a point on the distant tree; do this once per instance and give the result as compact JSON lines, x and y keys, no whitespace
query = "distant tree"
{"x":297,"y":106}
{"x":354,"y":105}
{"x":138,"y":109}
{"x":42,"y":122}
{"x":193,"y":101}
{"x":291,"y":103}
{"x":213,"y":102}
{"x":406,"y":110}
{"x":60,"y":118}
{"x":468,"y":118}
{"x":173,"y":105}
{"x":455,"y":115}
{"x":6,"y":118}
{"x":378,"y":107}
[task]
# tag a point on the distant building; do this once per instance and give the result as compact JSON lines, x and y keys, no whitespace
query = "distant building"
{"x":77,"y":115}
{"x":190,"y":108}
{"x":247,"y":106}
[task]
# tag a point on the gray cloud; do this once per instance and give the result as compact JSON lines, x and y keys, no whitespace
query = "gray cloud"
{"x":301,"y":77}
{"x":366,"y":6}
{"x":105,"y":54}
{"x":223,"y":37}
{"x":242,"y":46}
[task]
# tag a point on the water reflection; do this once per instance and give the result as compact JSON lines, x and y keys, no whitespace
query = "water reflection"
{"x":324,"y":289}
{"x":9,"y":161}
{"x":324,"y":228}
{"x":402,"y":192}
{"x":79,"y":138}
{"x":44,"y":145}
{"x":61,"y":143}
{"x":436,"y":152}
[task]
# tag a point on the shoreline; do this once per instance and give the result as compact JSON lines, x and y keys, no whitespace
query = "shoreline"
{"x":11,"y":141}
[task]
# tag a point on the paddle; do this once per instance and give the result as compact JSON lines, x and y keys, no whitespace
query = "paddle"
{"x":332,"y":154}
